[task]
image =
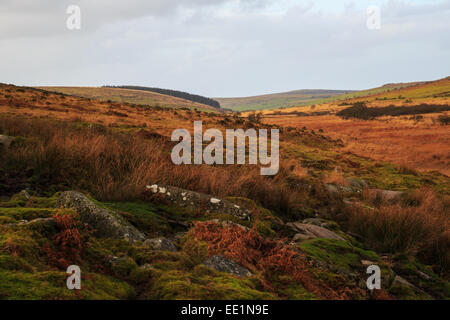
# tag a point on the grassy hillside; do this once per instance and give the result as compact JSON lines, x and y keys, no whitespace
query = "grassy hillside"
{"x":408,"y":126}
{"x":278,"y":100}
{"x":131,"y":96}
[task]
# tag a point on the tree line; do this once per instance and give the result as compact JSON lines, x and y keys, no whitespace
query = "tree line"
{"x":174,"y":93}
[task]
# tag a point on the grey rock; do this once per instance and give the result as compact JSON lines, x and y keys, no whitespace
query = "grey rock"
{"x":321,"y":223}
{"x":22,"y":195}
{"x":161,"y":244}
{"x":310,"y":231}
{"x":195,"y":200}
{"x":46,"y":222}
{"x":388,"y":195}
{"x":5,"y":141}
{"x":367,"y":263}
{"x":357,"y":183}
{"x":403,"y":281}
{"x":223,"y":264}
{"x":39,"y":222}
{"x":107,"y":224}
{"x":423,"y":275}
{"x":228,"y":224}
{"x":332,"y":189}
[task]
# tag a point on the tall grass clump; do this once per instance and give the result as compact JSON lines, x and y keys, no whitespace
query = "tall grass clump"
{"x":417,"y":224}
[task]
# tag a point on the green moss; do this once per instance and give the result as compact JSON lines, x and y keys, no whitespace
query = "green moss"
{"x":14,"y":263}
{"x":20,"y":243}
{"x":205,"y":284}
{"x":52,"y":285}
{"x":338,"y":253}
{"x":142,"y":215}
{"x":413,"y":271}
{"x":28,"y":213}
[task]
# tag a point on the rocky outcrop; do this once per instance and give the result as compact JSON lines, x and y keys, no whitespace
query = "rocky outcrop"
{"x":310,"y":231}
{"x":36,"y":223}
{"x":223,"y":264}
{"x":5,"y":142}
{"x":161,"y":244}
{"x":107,"y":224}
{"x":195,"y":200}
{"x":388,"y":195}
{"x":22,"y":195}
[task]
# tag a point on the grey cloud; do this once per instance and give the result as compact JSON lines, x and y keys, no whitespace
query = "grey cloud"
{"x":240,"y":53}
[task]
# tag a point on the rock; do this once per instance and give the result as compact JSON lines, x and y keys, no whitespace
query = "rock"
{"x":195,"y":200}
{"x":405,"y":282}
{"x":367,"y":263}
{"x":22,"y":195}
{"x":223,"y":264}
{"x":357,"y":183}
{"x":107,"y":224}
{"x":321,"y":223}
{"x":332,"y":189}
{"x":423,"y":275}
{"x":310,"y":231}
{"x":228,"y":224}
{"x":46,"y":222}
{"x":161,"y":244}
{"x":36,"y":223}
{"x":5,"y":141}
{"x":388,"y":195}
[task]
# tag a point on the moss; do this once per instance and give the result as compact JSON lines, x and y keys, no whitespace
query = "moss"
{"x":142,"y":215}
{"x":28,"y":213}
{"x":204,"y":284}
{"x":20,"y":243}
{"x":338,"y":253}
{"x":404,"y":292}
{"x":8,"y":262}
{"x":52,"y":285}
{"x":413,"y":271}
{"x":288,"y":289}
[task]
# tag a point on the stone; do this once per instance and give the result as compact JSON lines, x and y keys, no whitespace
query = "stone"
{"x":357,"y":183}
{"x":161,"y":244}
{"x":321,"y":223}
{"x":309,"y":231}
{"x":5,"y":142}
{"x":228,"y":224}
{"x":196,"y":200}
{"x":403,"y":281}
{"x":388,"y":195}
{"x":107,"y":224}
{"x":222,"y":264}
{"x":367,"y":263}
{"x":22,"y":195}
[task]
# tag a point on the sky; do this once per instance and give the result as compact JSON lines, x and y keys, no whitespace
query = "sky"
{"x":225,"y":48}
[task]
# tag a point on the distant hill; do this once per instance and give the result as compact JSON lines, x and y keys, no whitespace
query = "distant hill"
{"x":175,"y":93}
{"x":279,"y":100}
{"x":131,"y":96}
{"x":426,"y":93}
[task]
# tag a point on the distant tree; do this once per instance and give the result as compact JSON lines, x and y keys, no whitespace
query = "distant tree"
{"x":173,"y":93}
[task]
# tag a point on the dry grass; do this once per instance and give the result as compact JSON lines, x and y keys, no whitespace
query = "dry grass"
{"x":418,"y":224}
{"x":117,"y":166}
{"x":417,"y":145}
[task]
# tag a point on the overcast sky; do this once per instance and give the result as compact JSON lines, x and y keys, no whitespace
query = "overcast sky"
{"x":224,"y":47}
